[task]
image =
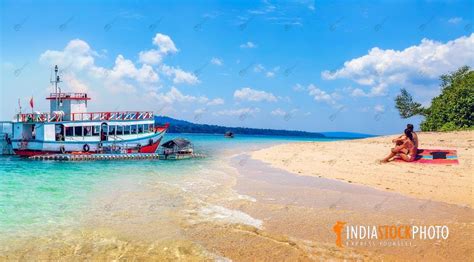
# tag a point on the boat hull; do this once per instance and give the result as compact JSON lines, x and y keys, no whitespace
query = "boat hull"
{"x":148,"y":144}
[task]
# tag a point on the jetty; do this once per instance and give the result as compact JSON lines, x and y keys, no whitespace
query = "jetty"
{"x":133,"y":156}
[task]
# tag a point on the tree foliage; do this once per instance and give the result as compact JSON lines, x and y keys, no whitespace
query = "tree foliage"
{"x":406,"y":106}
{"x":453,"y":109}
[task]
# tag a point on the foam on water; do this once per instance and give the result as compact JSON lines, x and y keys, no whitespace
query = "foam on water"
{"x":225,"y":215}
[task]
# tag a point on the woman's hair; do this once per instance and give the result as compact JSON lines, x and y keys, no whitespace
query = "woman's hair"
{"x":410,"y":126}
{"x":409,"y":134}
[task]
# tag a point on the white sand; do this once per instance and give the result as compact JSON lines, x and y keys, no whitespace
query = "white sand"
{"x":356,"y":161}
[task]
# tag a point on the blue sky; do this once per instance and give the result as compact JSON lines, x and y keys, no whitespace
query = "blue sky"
{"x":306,"y":65}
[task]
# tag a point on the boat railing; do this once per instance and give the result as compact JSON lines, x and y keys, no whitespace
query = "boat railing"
{"x":89,"y":116}
{"x":80,"y":96}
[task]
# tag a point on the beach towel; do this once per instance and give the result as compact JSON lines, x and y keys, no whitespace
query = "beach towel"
{"x":434,"y":156}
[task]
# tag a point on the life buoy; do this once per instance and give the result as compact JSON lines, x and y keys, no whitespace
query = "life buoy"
{"x":150,"y":142}
{"x":86,"y":148}
{"x":62,"y":149}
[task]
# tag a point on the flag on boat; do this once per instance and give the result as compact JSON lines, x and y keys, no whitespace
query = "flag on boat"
{"x":31,"y":102}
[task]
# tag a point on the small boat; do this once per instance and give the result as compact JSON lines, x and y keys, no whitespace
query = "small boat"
{"x":68,"y":127}
{"x":178,"y":146}
{"x":229,"y":134}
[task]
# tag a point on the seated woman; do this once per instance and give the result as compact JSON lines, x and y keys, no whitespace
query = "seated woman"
{"x":405,"y":148}
{"x":399,"y":140}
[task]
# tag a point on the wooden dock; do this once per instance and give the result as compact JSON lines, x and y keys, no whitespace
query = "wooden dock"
{"x":134,"y":156}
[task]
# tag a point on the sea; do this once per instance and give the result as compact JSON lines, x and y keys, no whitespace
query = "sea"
{"x":139,"y":199}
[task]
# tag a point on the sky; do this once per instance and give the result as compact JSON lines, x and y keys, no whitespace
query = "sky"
{"x":300,"y":65}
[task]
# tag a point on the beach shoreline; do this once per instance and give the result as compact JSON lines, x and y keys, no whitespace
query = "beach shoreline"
{"x":231,"y":206}
{"x":357,"y":161}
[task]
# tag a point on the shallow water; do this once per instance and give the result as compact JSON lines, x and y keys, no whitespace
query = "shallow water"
{"x":39,"y":198}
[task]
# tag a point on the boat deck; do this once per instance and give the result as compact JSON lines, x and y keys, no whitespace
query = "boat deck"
{"x":134,"y":156}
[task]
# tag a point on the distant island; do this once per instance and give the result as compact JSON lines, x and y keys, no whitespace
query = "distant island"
{"x":182,"y":126}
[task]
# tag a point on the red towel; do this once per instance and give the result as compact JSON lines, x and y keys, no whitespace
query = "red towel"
{"x":434,"y":156}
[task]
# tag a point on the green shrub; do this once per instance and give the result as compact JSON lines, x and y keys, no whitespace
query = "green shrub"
{"x":452,"y":110}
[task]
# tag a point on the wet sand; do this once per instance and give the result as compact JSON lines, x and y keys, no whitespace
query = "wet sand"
{"x":306,"y":208}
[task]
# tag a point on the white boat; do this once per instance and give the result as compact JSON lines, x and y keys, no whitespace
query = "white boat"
{"x":69,"y":128}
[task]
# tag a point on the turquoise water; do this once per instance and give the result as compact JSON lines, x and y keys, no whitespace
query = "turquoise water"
{"x":38,"y":196}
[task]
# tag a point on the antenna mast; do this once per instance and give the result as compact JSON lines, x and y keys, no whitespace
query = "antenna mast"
{"x":56,"y":82}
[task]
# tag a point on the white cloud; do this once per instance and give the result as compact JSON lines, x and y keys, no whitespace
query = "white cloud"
{"x":358,"y":92}
{"x":265,"y":9}
{"x":320,"y":95}
{"x":455,"y":20}
{"x":248,"y":94}
{"x":379,"y":108}
{"x":287,"y":115}
{"x":270,"y":74}
{"x":152,"y":57}
{"x":215,"y":102}
{"x":199,"y":111}
{"x":164,"y":43}
{"x":217,"y":61}
{"x":179,"y":75}
{"x":125,"y":68}
{"x":278,"y":112}
{"x":75,"y":84}
{"x":298,"y":88}
{"x":155,"y":56}
{"x":77,"y":55}
{"x":175,"y":96}
{"x":380,"y":69}
{"x":238,"y":112}
{"x":78,"y":58}
{"x":248,"y":45}
{"x":258,"y":68}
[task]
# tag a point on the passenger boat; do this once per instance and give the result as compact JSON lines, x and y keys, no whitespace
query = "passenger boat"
{"x":69,"y":128}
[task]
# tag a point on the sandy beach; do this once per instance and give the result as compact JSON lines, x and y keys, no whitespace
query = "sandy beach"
{"x":357,"y":161}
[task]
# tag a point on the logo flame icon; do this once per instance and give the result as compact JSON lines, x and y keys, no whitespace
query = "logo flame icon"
{"x":337,"y":228}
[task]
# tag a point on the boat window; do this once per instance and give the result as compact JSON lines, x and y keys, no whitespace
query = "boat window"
{"x":126,"y":130}
{"x":78,"y":131}
{"x":133,"y":129}
{"x":111,"y":130}
{"x":150,"y":128}
{"x":69,"y":131}
{"x":140,"y":129}
{"x":59,"y":132}
{"x":87,"y":130}
{"x":119,"y":130}
{"x":96,"y":131}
